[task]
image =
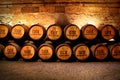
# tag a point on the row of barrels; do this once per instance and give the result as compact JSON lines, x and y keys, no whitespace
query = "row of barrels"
{"x":55,"y":32}
{"x":62,"y":52}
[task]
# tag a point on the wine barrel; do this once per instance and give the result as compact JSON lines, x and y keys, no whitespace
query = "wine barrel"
{"x":37,"y":32}
{"x":54,"y":32}
{"x":89,"y":32}
{"x":29,"y":51}
{"x":19,"y":31}
{"x":108,"y":32}
{"x":4,"y":31}
{"x":63,"y":52}
{"x":81,"y":52}
{"x":1,"y":50}
{"x":100,"y":51}
{"x":46,"y":51}
{"x":115,"y":51}
{"x":72,"y":32}
{"x":11,"y":51}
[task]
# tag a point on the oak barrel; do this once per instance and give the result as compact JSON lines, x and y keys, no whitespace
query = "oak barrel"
{"x":54,"y":32}
{"x":100,"y":51}
{"x":81,"y":52}
{"x":63,"y":52}
{"x":108,"y":32}
{"x":19,"y":31}
{"x":72,"y":32}
{"x":29,"y":51}
{"x":46,"y":51}
{"x":37,"y":32}
{"x":115,"y":50}
{"x":4,"y":31}
{"x":11,"y":50}
{"x":89,"y":32}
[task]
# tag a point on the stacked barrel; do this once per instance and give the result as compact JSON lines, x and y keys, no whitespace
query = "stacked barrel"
{"x":70,"y":43}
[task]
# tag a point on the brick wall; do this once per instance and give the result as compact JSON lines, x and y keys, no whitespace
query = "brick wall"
{"x":63,"y":12}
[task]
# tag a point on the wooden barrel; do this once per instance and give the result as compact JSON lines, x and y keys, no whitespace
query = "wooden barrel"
{"x":108,"y":32}
{"x":46,"y":51}
{"x":72,"y":32}
{"x":63,"y":52}
{"x":11,"y":51}
{"x":89,"y":32}
{"x":29,"y":51}
{"x":4,"y":31}
{"x":54,"y":32}
{"x":19,"y":31}
{"x":100,"y":51}
{"x":81,"y":52}
{"x":115,"y":51}
{"x":1,"y":50}
{"x":37,"y":32}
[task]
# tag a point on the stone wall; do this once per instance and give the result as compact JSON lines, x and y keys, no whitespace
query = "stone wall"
{"x":63,"y":12}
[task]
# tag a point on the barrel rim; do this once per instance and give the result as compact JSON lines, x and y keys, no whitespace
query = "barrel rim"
{"x":78,"y":45}
{"x":104,"y":26}
{"x":60,"y":29}
{"x":9,"y":30}
{"x":68,"y":27}
{"x":63,"y":44}
{"x":17,"y":51}
{"x":25,"y":30}
{"x":35,"y":51}
{"x":112,"y":47}
{"x":85,"y":26}
{"x":99,"y":45}
{"x":50,"y":46}
{"x":43,"y":28}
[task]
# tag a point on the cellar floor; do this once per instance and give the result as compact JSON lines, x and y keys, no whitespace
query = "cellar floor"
{"x":20,"y":70}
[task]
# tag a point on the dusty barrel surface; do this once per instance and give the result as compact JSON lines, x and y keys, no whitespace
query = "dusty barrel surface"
{"x":81,"y":52}
{"x":89,"y":32}
{"x":100,"y":51}
{"x":115,"y":51}
{"x":4,"y":31}
{"x":11,"y":51}
{"x":46,"y":51}
{"x":108,"y":32}
{"x":63,"y":52}
{"x":72,"y":32}
{"x":1,"y":50}
{"x":19,"y":31}
{"x":29,"y":51}
{"x":54,"y":32}
{"x":37,"y":32}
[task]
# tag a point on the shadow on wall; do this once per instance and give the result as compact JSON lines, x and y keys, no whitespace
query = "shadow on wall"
{"x":62,"y":20}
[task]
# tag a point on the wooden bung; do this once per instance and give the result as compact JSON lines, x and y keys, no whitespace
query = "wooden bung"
{"x":19,"y":31}
{"x":46,"y":51}
{"x":4,"y":31}
{"x":72,"y":32}
{"x":100,"y":51}
{"x":81,"y":52}
{"x":63,"y":52}
{"x":37,"y":32}
{"x":11,"y":50}
{"x":89,"y":32}
{"x":115,"y":51}
{"x":28,"y":51}
{"x":107,"y":32}
{"x":54,"y":32}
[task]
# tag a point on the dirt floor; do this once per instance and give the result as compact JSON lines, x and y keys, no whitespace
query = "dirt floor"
{"x":20,"y":70}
